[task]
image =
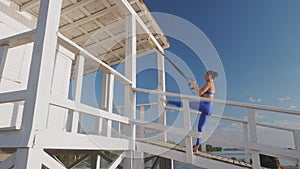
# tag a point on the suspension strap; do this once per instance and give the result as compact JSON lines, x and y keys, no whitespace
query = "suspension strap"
{"x":168,"y":59}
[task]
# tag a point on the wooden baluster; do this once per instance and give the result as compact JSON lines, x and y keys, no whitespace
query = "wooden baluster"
{"x":253,"y":139}
{"x":188,"y":127}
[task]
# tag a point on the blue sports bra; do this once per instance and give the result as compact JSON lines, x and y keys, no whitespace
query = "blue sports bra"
{"x":209,"y":93}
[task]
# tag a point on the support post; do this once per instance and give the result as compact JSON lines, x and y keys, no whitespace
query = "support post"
{"x":203,"y":147}
{"x":118,"y":125}
{"x":109,"y":99}
{"x":187,"y":125}
{"x":28,"y":158}
{"x":166,"y":163}
{"x":95,"y":164}
{"x":297,"y":144}
{"x":130,"y":96}
{"x":114,"y":164}
{"x":161,"y":87}
{"x":142,"y":128}
{"x":138,"y":161}
{"x":99,"y":124}
{"x":253,"y":139}
{"x":41,"y":70}
{"x":78,"y":90}
{"x":3,"y":56}
{"x":246,"y":142}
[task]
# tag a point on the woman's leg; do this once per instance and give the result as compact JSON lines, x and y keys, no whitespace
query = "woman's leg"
{"x":194,"y":105}
{"x":175,"y":103}
{"x":202,"y":120}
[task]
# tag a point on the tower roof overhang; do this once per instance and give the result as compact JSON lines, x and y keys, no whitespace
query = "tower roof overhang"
{"x":99,"y":26}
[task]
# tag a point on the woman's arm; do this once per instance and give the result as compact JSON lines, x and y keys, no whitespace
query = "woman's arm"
{"x":203,"y":90}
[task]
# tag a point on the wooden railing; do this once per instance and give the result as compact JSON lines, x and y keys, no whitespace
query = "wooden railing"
{"x":74,"y":106}
{"x":249,"y":142}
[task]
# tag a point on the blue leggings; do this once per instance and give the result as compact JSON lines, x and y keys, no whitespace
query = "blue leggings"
{"x":204,"y":107}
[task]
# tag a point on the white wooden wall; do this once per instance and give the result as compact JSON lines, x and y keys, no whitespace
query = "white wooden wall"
{"x":57,"y":117}
{"x":16,"y":67}
{"x":16,"y":70}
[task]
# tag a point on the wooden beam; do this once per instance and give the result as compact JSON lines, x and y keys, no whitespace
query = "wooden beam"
{"x":138,"y":159}
{"x":117,"y":161}
{"x":253,"y":138}
{"x":15,"y":96}
{"x":3,"y":56}
{"x":110,"y":93}
{"x":29,"y":4}
{"x":246,"y":140}
{"x":28,"y":158}
{"x":75,"y":6}
{"x":142,"y":117}
{"x":18,"y":39}
{"x":9,"y":162}
{"x":187,"y":126}
{"x":169,"y":129}
{"x":130,"y":73}
{"x":141,"y":23}
{"x":218,"y":101}
{"x":102,"y":29}
{"x":79,"y":141}
{"x":162,"y":116}
{"x":297,"y":145}
{"x":41,"y":70}
{"x":69,"y":104}
{"x":77,"y":162}
{"x":95,"y":161}
{"x":76,"y":49}
{"x":87,"y":19}
{"x":79,"y":68}
{"x":156,"y":163}
{"x":116,"y":39}
{"x":10,"y":139}
{"x":50,"y":162}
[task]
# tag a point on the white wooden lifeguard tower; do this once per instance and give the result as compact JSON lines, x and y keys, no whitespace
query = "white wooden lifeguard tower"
{"x":45,"y":43}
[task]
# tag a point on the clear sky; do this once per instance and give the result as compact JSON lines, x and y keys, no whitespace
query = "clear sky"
{"x":258,"y":42}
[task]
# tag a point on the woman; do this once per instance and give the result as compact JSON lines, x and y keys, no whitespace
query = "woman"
{"x":205,"y":108}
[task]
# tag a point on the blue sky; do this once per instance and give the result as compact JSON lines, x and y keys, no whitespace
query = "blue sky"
{"x":257,"y":41}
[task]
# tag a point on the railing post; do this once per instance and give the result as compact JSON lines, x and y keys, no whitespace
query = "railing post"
{"x":246,"y":141}
{"x":95,"y":161}
{"x":77,"y":91}
{"x":3,"y":56}
{"x":109,"y":103}
{"x":188,"y":127}
{"x":203,"y":147}
{"x":253,"y":138}
{"x":297,"y":144}
{"x":161,"y":87}
{"x":110,"y":98}
{"x":142,"y":128}
{"x":118,"y":125}
{"x":130,"y":95}
{"x":103,"y":105}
